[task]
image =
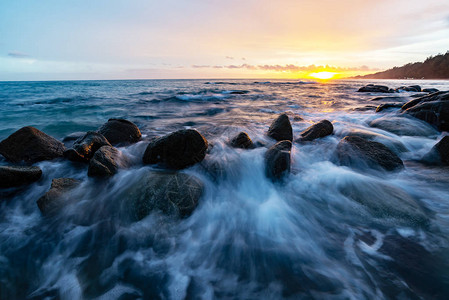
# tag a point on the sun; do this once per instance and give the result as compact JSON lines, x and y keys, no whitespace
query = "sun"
{"x":323,"y":75}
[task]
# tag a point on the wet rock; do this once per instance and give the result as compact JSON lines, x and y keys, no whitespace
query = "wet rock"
{"x":358,"y":152}
{"x":85,"y":147}
{"x":30,"y":145}
{"x":106,"y":162}
{"x":277,"y":160}
{"x":13,"y":176}
{"x":317,"y":130}
{"x":394,"y":145}
{"x":120,"y":132}
{"x":385,"y":106}
{"x":281,"y":129}
{"x":56,"y":195}
{"x":371,"y":88}
{"x":71,"y":138}
{"x":175,"y":194}
{"x":430,"y":91}
{"x":390,"y":99}
{"x":177,"y":150}
{"x":403,"y":126}
{"x":433,"y":108}
{"x":411,"y":88}
{"x":439,"y":154}
{"x":242,"y":140}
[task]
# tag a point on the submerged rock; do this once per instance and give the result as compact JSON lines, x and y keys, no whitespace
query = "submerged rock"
{"x":177,"y":150}
{"x":358,"y":152}
{"x":371,"y":88}
{"x":30,"y":145}
{"x":394,"y":145}
{"x":390,"y":99}
{"x":56,"y":195}
{"x":411,"y":88}
{"x":281,"y":129}
{"x":385,"y":106}
{"x":430,"y":91}
{"x":13,"y":176}
{"x":85,"y":147}
{"x":106,"y":162}
{"x":403,"y":126}
{"x":175,"y":194}
{"x":242,"y":140}
{"x":317,"y":130}
{"x":120,"y":131}
{"x":277,"y":160}
{"x":439,"y":154}
{"x":433,"y":108}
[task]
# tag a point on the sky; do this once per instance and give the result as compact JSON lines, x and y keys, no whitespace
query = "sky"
{"x":146,"y":39}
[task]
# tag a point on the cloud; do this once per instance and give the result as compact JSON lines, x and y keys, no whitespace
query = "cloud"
{"x":17,"y":54}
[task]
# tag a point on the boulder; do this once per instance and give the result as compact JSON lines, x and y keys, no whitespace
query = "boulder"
{"x":371,"y":88}
{"x":281,"y":129}
{"x":70,"y":139}
{"x":385,"y":106}
{"x":430,"y":91}
{"x":277,"y":160}
{"x":85,"y":147}
{"x":394,"y":145}
{"x":439,"y":154}
{"x":242,"y":140}
{"x":411,"y":88}
{"x":390,"y":99}
{"x":357,"y":152}
{"x":403,"y":126}
{"x":56,"y":195}
{"x":106,"y":162}
{"x":30,"y":145}
{"x":120,"y":132}
{"x":12,"y":176}
{"x":433,"y":108}
{"x":177,"y":150}
{"x":175,"y":194}
{"x":317,"y":130}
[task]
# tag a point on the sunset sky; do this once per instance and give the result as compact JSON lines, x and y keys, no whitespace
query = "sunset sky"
{"x":111,"y":39}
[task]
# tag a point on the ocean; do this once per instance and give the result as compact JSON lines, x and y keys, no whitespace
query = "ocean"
{"x":325,"y":232}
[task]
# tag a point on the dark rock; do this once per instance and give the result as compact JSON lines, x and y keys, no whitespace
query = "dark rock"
{"x":403,"y":126}
{"x":242,"y":140}
{"x":277,"y":160}
{"x":390,"y":99}
{"x":281,"y":129}
{"x":317,"y":130}
{"x":56,"y":195}
{"x":177,"y":150}
{"x":439,"y":154}
{"x":433,"y":108}
{"x":430,"y":91}
{"x":30,"y":145}
{"x":85,"y":147}
{"x":73,"y":136}
{"x":394,"y":145}
{"x":385,"y":106}
{"x":358,"y":152}
{"x":106,"y":162}
{"x":411,"y":88}
{"x":12,"y":176}
{"x":175,"y":194}
{"x":371,"y":88}
{"x":120,"y":131}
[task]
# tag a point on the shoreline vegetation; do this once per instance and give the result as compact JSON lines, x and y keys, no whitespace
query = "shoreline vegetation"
{"x":434,"y":67}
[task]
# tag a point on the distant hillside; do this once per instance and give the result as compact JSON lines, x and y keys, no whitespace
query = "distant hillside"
{"x":434,"y":67}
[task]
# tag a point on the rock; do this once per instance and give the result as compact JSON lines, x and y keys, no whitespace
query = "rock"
{"x":73,"y":136}
{"x":175,"y":194}
{"x":394,"y":145}
{"x":85,"y":147}
{"x":106,"y":162}
{"x":30,"y":145}
{"x":12,"y":176}
{"x":177,"y":150}
{"x":403,"y":126}
{"x":439,"y":154}
{"x":277,"y":160}
{"x":433,"y":108}
{"x":242,"y":140}
{"x":385,"y":106}
{"x":358,"y":152}
{"x":317,"y":130}
{"x":430,"y":91}
{"x":56,"y":195}
{"x":411,"y":88}
{"x":371,"y":88}
{"x":120,"y":131}
{"x":281,"y":129}
{"x":390,"y":99}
